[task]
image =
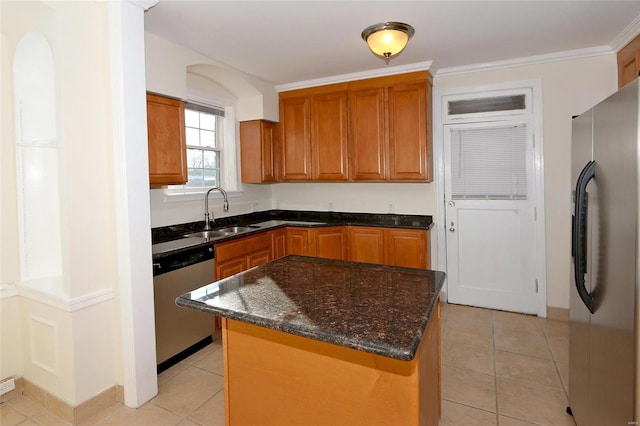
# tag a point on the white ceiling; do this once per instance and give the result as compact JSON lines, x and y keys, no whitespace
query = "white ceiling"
{"x":292,"y":41}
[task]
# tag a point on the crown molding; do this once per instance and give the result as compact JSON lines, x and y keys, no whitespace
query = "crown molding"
{"x":529,"y":60}
{"x":628,"y":34}
{"x":380,"y":72}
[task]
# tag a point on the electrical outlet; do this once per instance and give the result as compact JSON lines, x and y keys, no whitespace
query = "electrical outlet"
{"x":7,"y":386}
{"x":392,"y":208}
{"x":254,"y":207}
{"x":330,"y":206}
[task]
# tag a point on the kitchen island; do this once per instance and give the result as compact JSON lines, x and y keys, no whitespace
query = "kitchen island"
{"x":327,"y":342}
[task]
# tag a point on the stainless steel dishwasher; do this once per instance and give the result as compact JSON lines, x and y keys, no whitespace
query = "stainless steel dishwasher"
{"x":180,"y":332}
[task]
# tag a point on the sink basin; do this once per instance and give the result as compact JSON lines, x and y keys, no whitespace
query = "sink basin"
{"x":237,"y":229}
{"x":209,"y":234}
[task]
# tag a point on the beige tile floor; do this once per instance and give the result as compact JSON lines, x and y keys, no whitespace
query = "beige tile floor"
{"x":498,"y":368}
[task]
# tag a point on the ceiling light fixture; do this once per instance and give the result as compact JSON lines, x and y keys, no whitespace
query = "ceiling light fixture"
{"x":387,"y":39}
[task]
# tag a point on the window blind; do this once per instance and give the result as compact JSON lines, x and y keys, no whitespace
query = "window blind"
{"x":489,"y":163}
{"x":209,"y":109}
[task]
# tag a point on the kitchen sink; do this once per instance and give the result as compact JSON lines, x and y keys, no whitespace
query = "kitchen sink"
{"x":222,"y":232}
{"x":237,"y":229}
{"x":209,"y":234}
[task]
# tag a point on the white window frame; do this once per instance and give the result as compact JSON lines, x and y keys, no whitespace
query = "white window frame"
{"x":230,"y":164}
{"x":219,"y":140}
{"x":483,"y":94}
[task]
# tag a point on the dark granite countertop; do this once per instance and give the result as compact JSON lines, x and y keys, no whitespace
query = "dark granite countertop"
{"x":383,"y":310}
{"x":170,"y":239}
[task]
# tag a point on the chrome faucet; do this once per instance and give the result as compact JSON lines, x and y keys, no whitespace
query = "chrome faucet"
{"x":225,"y":205}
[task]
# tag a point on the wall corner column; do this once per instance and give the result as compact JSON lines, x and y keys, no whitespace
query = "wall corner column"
{"x":131,"y":187}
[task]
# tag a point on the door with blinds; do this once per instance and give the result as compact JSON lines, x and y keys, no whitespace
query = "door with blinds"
{"x":490,"y":215}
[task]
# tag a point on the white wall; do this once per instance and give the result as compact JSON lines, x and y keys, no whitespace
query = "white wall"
{"x":166,"y":73}
{"x":10,"y":354}
{"x":66,"y":343}
{"x":569,"y":88}
{"x":165,"y":213}
{"x":406,"y":198}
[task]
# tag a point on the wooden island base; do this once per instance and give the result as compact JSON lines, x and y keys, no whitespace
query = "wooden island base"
{"x":274,"y":378}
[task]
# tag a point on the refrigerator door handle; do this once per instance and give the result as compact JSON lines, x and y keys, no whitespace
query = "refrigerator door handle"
{"x":579,"y":234}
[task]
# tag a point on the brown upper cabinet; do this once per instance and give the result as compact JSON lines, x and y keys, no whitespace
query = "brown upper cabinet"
{"x":409,"y":133}
{"x":313,"y":135}
{"x":367,"y":138}
{"x":257,"y":151}
{"x":166,"y":139}
{"x":367,"y":130}
{"x":389,"y":128}
{"x":295,"y":139}
{"x":329,"y":136}
{"x":629,"y":62}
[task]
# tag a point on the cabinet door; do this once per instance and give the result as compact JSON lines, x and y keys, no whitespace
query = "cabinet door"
{"x":408,"y":135}
{"x":230,"y":267}
{"x":259,"y":257}
{"x":367,"y":140}
{"x":329,"y":136}
{"x":166,"y":140}
{"x":298,"y":241}
{"x":628,"y":62}
{"x":330,"y":243}
{"x":278,"y":243}
{"x":295,"y":139}
{"x":627,"y":70}
{"x":257,"y":152}
{"x":406,"y":248}
{"x":366,"y":244}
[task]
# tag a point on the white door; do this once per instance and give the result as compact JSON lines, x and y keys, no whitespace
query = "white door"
{"x":490,"y":215}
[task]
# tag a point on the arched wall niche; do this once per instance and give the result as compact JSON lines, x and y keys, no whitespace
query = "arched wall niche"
{"x":37,"y":163}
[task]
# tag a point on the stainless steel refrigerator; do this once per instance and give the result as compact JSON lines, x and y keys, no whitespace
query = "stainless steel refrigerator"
{"x":603,"y":352}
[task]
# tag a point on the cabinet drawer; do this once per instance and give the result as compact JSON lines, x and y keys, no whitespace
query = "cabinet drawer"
{"x":242,"y":246}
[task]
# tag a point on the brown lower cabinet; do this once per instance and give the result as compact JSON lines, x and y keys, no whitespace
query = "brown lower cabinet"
{"x":298,"y":241}
{"x":329,"y":243}
{"x":366,"y":244}
{"x":241,"y":254}
{"x":406,"y":248}
{"x":384,"y":246}
{"x":278,"y":243}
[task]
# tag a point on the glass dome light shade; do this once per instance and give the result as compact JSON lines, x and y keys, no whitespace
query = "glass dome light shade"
{"x":387,"y":39}
{"x":387,"y":42}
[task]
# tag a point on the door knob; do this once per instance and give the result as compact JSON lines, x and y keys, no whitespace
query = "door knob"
{"x":452,"y":204}
{"x":452,"y":229}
